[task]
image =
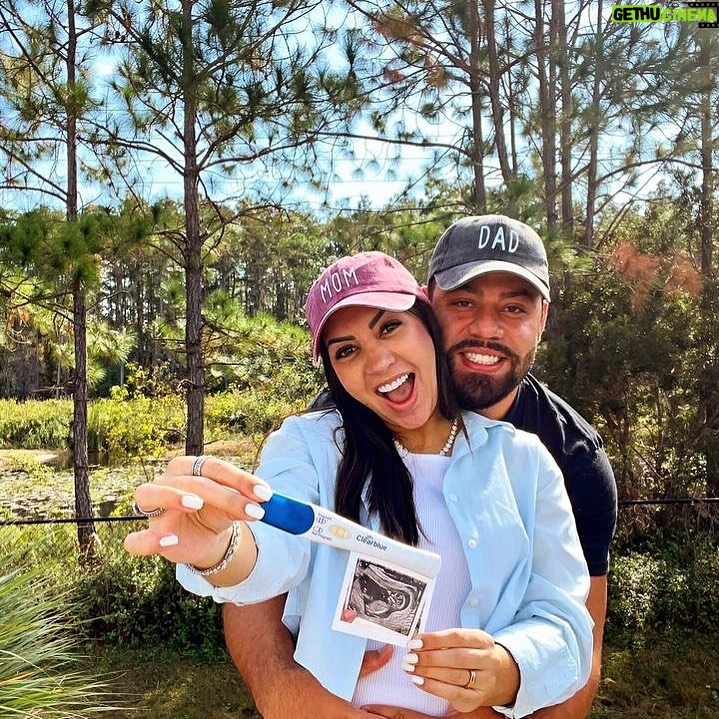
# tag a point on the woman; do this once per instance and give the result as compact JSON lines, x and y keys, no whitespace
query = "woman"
{"x":397,"y":456}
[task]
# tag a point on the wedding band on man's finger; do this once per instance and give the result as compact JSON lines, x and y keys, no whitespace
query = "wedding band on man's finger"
{"x":148,"y":513}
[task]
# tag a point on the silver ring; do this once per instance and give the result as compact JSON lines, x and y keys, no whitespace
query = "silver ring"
{"x":197,"y":465}
{"x":149,"y":514}
{"x":471,"y":680}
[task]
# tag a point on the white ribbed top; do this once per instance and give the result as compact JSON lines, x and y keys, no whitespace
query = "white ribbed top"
{"x":391,"y":685}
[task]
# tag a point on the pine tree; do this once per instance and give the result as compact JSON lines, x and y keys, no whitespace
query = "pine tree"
{"x":46,"y":99}
{"x":219,"y":94}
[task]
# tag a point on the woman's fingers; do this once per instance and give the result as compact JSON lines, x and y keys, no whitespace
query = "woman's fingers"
{"x":232,"y":492}
{"x":221,"y":472}
{"x":190,"y":494}
{"x":150,"y":497}
{"x":464,"y":666}
{"x":456,"y":637}
{"x":460,"y":657}
{"x":191,"y":509}
{"x":148,"y":542}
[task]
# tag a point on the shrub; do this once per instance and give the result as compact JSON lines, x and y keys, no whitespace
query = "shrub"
{"x":126,"y":601}
{"x":35,"y":424}
{"x":136,"y":602}
{"x":39,"y":662}
{"x":666,"y":584}
{"x":135,"y":427}
{"x":249,"y":412}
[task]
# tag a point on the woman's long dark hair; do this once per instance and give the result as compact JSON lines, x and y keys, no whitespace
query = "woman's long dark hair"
{"x":369,"y":452}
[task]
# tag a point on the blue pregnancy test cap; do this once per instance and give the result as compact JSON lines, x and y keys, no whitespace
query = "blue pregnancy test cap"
{"x":288,"y":514}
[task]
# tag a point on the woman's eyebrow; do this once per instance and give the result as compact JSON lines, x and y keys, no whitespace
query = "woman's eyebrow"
{"x":334,"y":340}
{"x":376,"y":318}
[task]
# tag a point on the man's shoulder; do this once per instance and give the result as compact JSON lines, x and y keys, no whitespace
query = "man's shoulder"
{"x":322,"y":400}
{"x":540,"y":410}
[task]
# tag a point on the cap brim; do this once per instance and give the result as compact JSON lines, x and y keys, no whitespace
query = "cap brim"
{"x":454,"y":277}
{"x":392,"y":301}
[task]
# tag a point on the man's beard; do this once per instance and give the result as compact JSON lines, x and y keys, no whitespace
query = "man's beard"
{"x":477,"y":391}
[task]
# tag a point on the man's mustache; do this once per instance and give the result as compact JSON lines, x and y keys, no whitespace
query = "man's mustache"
{"x":479,"y":345}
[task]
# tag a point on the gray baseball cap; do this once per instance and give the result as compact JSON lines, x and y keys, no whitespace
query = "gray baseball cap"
{"x":480,"y":244}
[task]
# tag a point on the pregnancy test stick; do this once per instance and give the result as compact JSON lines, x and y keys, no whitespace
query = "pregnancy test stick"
{"x":320,"y":525}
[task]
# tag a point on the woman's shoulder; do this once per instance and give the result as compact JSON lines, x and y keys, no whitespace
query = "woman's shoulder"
{"x":320,"y":422}
{"x":303,"y":438}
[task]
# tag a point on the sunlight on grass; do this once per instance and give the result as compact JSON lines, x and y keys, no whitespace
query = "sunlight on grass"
{"x":168,"y":686}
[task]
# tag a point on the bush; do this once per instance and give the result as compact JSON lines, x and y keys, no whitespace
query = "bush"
{"x":664,"y":584}
{"x":39,"y":673}
{"x":35,"y":424}
{"x":126,"y":427}
{"x":135,"y":427}
{"x":250,"y":412}
{"x":136,"y":602}
{"x":126,"y":601}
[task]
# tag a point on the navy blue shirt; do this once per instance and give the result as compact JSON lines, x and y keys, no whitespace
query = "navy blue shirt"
{"x":579,"y":451}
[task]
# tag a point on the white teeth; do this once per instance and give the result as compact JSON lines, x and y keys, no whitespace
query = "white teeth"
{"x":481,"y":359}
{"x":385,"y":388}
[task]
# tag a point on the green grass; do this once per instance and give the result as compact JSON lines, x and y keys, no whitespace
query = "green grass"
{"x":647,"y":674}
{"x":164,"y":685}
{"x":663,"y":677}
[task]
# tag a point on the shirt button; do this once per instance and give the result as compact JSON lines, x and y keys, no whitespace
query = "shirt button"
{"x":473,"y":602}
{"x":472,"y":543}
{"x":453,"y":497}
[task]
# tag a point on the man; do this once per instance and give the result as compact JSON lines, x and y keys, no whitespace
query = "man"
{"x":489,"y":285}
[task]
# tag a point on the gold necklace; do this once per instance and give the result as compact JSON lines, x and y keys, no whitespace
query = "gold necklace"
{"x":446,"y":450}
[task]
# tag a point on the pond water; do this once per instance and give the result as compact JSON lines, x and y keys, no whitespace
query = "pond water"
{"x":48,"y":490}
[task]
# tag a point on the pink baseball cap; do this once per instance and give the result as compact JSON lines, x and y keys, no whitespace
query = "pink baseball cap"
{"x":367,"y":279}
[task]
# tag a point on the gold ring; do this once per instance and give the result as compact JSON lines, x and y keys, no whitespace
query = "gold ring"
{"x":471,"y":680}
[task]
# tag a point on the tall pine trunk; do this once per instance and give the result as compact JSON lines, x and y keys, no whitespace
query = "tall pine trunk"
{"x":475,"y":88}
{"x":194,"y":442}
{"x":83,"y":501}
{"x":594,"y":125}
{"x":495,"y":94}
{"x":561,"y":54}
{"x":548,"y":117}
{"x":706,"y":227}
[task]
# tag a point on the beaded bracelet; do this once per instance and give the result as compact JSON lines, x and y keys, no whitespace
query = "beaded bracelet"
{"x":229,"y":554}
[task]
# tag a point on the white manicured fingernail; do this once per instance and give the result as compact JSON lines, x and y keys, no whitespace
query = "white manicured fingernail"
{"x":408,"y":667}
{"x":410,"y":658}
{"x":415,"y":644}
{"x":417,"y":680}
{"x":169,"y":540}
{"x":262,"y":492}
{"x":254,"y":511}
{"x":191,"y":501}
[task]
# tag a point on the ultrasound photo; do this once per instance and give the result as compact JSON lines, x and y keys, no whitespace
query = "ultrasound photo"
{"x":382,"y":601}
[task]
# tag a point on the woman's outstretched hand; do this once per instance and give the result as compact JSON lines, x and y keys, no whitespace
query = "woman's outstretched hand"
{"x":201,"y":498}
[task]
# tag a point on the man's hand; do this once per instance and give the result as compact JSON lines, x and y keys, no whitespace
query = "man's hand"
{"x":262,"y":649}
{"x":375,"y":659}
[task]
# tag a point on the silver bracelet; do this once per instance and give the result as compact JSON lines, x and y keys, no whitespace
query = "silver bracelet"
{"x":229,"y":554}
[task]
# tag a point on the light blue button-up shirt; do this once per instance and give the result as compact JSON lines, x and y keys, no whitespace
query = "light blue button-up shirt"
{"x":507,"y":499}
